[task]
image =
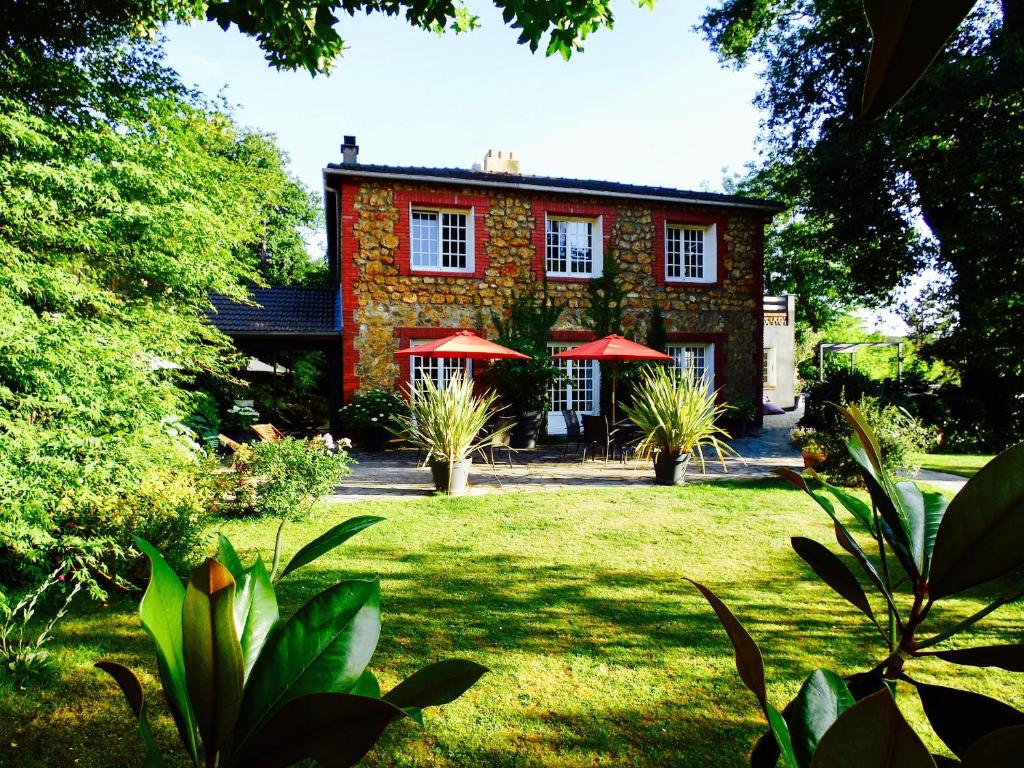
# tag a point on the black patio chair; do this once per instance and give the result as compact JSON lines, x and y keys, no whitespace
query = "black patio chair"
{"x":573,"y":433}
{"x":499,"y":442}
{"x":596,"y":435}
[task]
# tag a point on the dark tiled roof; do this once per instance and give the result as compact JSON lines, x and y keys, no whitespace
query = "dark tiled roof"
{"x":555,"y":183}
{"x":282,"y":311}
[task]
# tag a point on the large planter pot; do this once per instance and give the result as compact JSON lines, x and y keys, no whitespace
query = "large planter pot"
{"x":670,"y":468}
{"x":812,"y":457}
{"x":452,"y":478}
{"x":526,"y":431}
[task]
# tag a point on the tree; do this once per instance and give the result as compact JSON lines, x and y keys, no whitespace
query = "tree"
{"x":924,"y":185}
{"x":295,"y":34}
{"x":118,"y":217}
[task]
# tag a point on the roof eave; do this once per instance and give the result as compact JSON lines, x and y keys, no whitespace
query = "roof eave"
{"x":767,"y":206}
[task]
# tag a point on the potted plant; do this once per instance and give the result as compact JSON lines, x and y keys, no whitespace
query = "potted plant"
{"x":447,"y":424}
{"x":811,"y":444}
{"x":740,"y":416}
{"x":677,"y":414}
{"x":523,"y":385}
{"x":368,"y":413}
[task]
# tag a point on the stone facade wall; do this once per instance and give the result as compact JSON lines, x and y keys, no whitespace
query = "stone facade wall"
{"x":382,"y":301}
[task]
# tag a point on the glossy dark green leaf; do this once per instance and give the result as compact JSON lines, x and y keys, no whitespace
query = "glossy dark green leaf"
{"x":833,"y":572}
{"x":749,"y":663}
{"x":847,"y":542}
{"x":960,"y":718}
{"x":436,"y":684}
{"x":1000,"y":749}
{"x":1008,"y":657}
{"x":132,"y":689}
{"x":323,"y":648}
{"x":328,"y":540}
{"x":229,"y":557}
{"x":982,"y":533}
{"x":367,"y":685}
{"x":857,"y":508}
{"x":334,"y":729}
{"x":213,"y":655}
{"x":913,"y":512}
{"x":823,"y":697}
{"x":935,"y":505}
{"x":906,"y":36}
{"x":750,"y":667}
{"x":160,"y":614}
{"x":872,"y":734}
{"x":256,"y":612}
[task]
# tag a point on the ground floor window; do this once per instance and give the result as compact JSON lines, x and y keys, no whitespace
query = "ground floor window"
{"x":578,"y":390}
{"x":440,"y":370}
{"x":698,"y":359}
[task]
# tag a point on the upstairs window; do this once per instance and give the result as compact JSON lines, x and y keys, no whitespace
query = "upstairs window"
{"x":442,"y":240}
{"x":698,"y":359}
{"x":573,"y":247}
{"x":690,"y":253}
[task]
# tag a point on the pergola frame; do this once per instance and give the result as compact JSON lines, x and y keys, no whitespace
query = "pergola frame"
{"x":850,"y":348}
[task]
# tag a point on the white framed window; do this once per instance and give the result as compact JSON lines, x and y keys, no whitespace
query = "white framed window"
{"x":441,"y":239}
{"x":439,"y":370}
{"x":699,"y":359}
{"x":579,"y":389}
{"x":573,"y":247}
{"x":691,"y":253}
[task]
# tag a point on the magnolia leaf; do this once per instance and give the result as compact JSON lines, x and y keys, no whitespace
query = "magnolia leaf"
{"x":999,"y":749}
{"x":749,"y":663}
{"x":256,"y":612}
{"x":872,"y":734}
{"x":981,"y":536}
{"x":906,"y":36}
{"x":323,"y":648}
{"x":160,"y":614}
{"x":823,"y":697}
{"x":366,"y":685}
{"x":960,"y":718}
{"x":436,"y":684}
{"x":132,"y":689}
{"x":780,"y":730}
{"x":860,"y":511}
{"x":229,"y":557}
{"x":847,"y":542}
{"x":1008,"y":657}
{"x":833,"y":572}
{"x":328,"y":540}
{"x":213,"y":655}
{"x":334,"y":729}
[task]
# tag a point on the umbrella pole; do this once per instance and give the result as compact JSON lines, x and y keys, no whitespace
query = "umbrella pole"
{"x":615,"y":378}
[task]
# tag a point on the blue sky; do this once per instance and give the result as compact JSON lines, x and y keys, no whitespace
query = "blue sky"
{"x":646,"y":102}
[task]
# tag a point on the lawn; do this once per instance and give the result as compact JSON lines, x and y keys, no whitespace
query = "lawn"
{"x":963,"y":464}
{"x":601,"y":654}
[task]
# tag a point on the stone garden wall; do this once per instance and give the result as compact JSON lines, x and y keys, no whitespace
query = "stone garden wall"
{"x":383,"y":301}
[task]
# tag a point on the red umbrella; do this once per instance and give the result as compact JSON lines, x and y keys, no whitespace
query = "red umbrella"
{"x":464,"y":345}
{"x":614,"y":349}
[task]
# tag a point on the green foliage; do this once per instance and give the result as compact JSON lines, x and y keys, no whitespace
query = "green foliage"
{"x":604,"y":311}
{"x":526,"y":327}
{"x":248,"y":688}
{"x":283,"y":478}
{"x":126,"y":202}
{"x":22,"y":652}
{"x":943,"y":548}
{"x":447,"y":423}
{"x":677,"y":414}
{"x":373,"y":408}
{"x":860,"y":191}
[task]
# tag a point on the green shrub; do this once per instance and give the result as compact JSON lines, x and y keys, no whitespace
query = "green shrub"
{"x":285,"y":477}
{"x":373,"y":409}
{"x":900,"y":436}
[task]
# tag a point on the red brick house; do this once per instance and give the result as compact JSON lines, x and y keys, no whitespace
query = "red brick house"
{"x":422,"y":252}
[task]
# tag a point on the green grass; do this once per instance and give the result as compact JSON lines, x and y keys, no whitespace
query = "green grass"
{"x":600,"y":653}
{"x":963,"y":464}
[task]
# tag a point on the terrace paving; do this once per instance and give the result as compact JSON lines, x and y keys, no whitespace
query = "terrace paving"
{"x":395,"y":474}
